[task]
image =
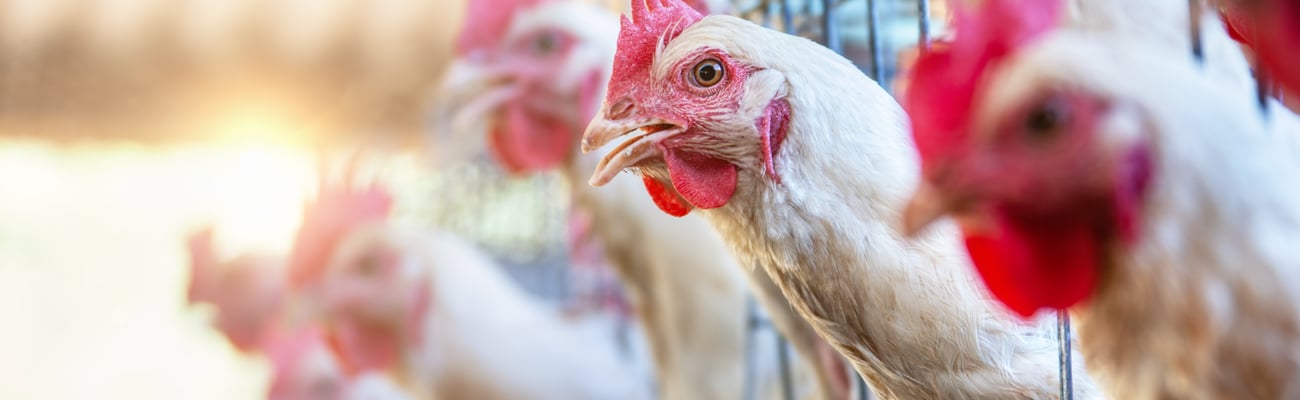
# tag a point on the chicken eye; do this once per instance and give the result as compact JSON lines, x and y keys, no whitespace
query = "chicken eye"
{"x":545,"y":43}
{"x":707,"y":73}
{"x":1047,"y":120}
{"x":368,"y":266}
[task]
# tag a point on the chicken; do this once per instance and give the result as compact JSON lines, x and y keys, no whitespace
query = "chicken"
{"x":249,"y":295}
{"x":1271,"y":29}
{"x":803,"y":164}
{"x":1098,"y":174}
{"x":536,"y":77}
{"x":438,"y":316}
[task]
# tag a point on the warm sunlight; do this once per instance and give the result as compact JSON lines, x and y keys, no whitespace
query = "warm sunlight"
{"x":91,"y":241}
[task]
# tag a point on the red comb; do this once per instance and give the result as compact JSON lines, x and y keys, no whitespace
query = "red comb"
{"x":659,"y":22}
{"x":944,"y":81}
{"x":203,"y":260}
{"x":337,"y":211}
{"x":1270,"y":28}
{"x":486,"y":22}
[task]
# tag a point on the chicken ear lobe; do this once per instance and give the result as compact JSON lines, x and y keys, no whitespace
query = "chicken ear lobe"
{"x":772,"y":126}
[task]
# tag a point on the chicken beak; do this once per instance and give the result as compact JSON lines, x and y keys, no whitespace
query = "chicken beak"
{"x":469,"y":93}
{"x":641,"y":142}
{"x":927,"y":205}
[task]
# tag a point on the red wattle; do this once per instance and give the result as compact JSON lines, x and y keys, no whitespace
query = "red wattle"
{"x":1029,"y":267}
{"x":362,"y":349}
{"x":665,"y":199}
{"x":703,"y":181}
{"x":524,"y":141}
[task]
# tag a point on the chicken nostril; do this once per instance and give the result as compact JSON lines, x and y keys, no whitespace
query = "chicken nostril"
{"x":620,"y":109}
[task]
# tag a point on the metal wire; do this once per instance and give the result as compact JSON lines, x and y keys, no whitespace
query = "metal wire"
{"x":783,"y":361}
{"x":873,"y":37}
{"x":765,"y":10}
{"x":1194,"y":11}
{"x":1067,"y":367}
{"x":1261,"y":90}
{"x":830,"y":34}
{"x":923,"y":24}
{"x":751,"y":323}
{"x":787,"y":17}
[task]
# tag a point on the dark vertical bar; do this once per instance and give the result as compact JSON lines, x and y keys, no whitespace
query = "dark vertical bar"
{"x":1194,"y":10}
{"x":1067,"y":369}
{"x":1261,"y":89}
{"x":783,"y":357}
{"x":765,"y":9}
{"x":751,"y":322}
{"x":873,"y":37}
{"x":829,"y":30}
{"x":787,"y":17}
{"x":863,"y":392}
{"x":923,"y":25}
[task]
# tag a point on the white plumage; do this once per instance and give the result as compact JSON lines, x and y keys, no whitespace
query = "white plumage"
{"x":481,"y":337}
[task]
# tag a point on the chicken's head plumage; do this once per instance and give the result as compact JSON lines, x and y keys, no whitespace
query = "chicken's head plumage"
{"x":338,"y":211}
{"x":696,"y":113}
{"x":1039,"y":192}
{"x":486,"y":23}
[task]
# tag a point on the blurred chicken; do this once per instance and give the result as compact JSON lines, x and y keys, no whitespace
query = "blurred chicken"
{"x":438,"y":316}
{"x":535,"y":72}
{"x":803,"y":164}
{"x":1097,"y":173}
{"x":248,"y":293}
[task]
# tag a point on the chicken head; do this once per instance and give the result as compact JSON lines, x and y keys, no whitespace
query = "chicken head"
{"x":532,"y":70}
{"x":695,"y":113}
{"x":1044,"y":174}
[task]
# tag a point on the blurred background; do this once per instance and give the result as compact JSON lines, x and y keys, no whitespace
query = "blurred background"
{"x":125,"y":124}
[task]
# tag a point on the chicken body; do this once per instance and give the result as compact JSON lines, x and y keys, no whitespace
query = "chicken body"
{"x":461,"y":329}
{"x":689,"y":292}
{"x":813,"y":201}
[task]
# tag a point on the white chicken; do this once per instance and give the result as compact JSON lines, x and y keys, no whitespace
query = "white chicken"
{"x":439,"y":317}
{"x":1099,"y":174}
{"x":803,"y":164}
{"x":533,"y":74}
